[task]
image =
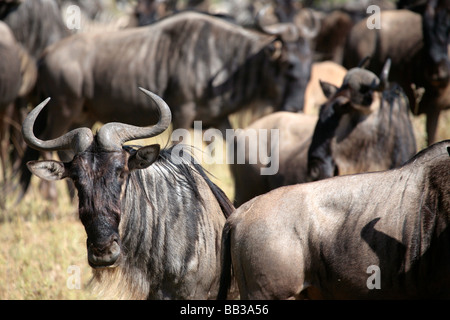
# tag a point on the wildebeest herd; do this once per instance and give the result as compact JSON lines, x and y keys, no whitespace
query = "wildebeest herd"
{"x":351,"y":193}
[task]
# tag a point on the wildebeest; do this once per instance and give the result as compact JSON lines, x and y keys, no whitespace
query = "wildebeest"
{"x":364,"y":126}
{"x":417,"y":45}
{"x":374,"y":235}
{"x":17,"y":78}
{"x":153,"y":218}
{"x":330,"y":42}
{"x":204,"y":67}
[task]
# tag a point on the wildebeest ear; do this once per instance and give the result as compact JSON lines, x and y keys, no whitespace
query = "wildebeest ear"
{"x":274,"y":50}
{"x":328,"y":89}
{"x":48,"y":169}
{"x":144,"y":157}
{"x":448,"y":150}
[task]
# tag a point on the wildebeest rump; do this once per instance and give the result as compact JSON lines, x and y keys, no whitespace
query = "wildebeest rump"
{"x":364,"y":126}
{"x":153,"y":218}
{"x":17,"y":78}
{"x":325,"y":239}
{"x":36,"y":24}
{"x":10,"y":75}
{"x":417,"y":45}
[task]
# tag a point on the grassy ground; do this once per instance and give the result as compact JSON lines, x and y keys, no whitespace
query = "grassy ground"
{"x":43,"y":251}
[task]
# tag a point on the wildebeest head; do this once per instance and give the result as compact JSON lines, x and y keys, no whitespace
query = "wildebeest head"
{"x":436,"y":33}
{"x":99,"y":171}
{"x":294,"y":57}
{"x":356,"y":97}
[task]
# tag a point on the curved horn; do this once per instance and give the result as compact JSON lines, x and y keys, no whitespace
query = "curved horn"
{"x":77,"y":140}
{"x":114,"y":134}
{"x":309,"y":32}
{"x":364,"y":63}
{"x":286,"y":30}
{"x":384,"y":75}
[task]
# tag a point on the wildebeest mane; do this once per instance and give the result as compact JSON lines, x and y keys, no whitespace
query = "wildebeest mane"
{"x":430,"y":153}
{"x":396,"y":122}
{"x":391,"y":98}
{"x":185,"y":165}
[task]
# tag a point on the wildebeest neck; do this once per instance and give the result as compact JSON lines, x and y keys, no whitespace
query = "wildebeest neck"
{"x":298,"y":75}
{"x":280,"y":82}
{"x":241,"y":86}
{"x":320,"y":161}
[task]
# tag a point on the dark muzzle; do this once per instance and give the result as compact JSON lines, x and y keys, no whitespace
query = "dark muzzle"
{"x":103,"y":254}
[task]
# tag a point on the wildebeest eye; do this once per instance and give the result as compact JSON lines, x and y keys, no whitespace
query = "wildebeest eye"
{"x":364,"y":89}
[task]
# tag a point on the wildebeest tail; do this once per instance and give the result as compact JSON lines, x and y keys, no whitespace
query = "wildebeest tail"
{"x":226,"y":269}
{"x":225,"y":203}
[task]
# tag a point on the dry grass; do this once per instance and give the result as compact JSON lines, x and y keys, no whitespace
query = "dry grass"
{"x":41,"y":241}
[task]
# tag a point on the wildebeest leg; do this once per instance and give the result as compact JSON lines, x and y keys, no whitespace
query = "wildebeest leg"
{"x":5,"y":117}
{"x":432,"y":122}
{"x":223,"y":126}
{"x":248,"y":182}
{"x":183,"y":116}
{"x":15,"y":133}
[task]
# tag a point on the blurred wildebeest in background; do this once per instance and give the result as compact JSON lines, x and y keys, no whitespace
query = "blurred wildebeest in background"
{"x":91,"y":8}
{"x":296,"y":34}
{"x":326,"y":239}
{"x":10,"y":83}
{"x":205,"y":68}
{"x":364,"y":126}
{"x":418,"y":47}
{"x":336,"y":20}
{"x":330,"y":41}
{"x":150,"y":11}
{"x":10,"y":74}
{"x":153,"y":218}
{"x":17,"y":79}
{"x":35,"y":24}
